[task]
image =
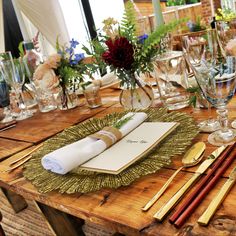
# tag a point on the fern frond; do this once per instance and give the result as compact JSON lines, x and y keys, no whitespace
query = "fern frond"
{"x":155,"y":37}
{"x":129,"y":22}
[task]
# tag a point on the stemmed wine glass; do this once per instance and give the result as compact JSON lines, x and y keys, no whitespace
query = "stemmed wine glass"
{"x":227,"y":35}
{"x":194,"y":48}
{"x":216,"y":76}
{"x":14,"y":75}
{"x":5,"y":99}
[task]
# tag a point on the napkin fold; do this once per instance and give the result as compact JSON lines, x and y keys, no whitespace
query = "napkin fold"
{"x":63,"y":160}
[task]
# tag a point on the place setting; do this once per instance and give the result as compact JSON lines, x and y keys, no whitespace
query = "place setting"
{"x":118,"y":171}
{"x":126,"y":122}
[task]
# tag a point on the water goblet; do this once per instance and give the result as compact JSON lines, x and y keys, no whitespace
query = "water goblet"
{"x":194,"y":48}
{"x":5,"y":100}
{"x":227,"y":35}
{"x":14,"y":76}
{"x":216,"y":77}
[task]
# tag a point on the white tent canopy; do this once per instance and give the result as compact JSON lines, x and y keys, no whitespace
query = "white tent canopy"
{"x":44,"y":16}
{"x":63,"y":18}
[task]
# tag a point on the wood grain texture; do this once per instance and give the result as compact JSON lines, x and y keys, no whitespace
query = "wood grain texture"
{"x":44,"y":125}
{"x":120,"y":209}
{"x":17,"y":202}
{"x":10,"y":147}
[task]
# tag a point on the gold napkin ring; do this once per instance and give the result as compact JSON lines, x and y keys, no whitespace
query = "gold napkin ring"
{"x":109,"y":135}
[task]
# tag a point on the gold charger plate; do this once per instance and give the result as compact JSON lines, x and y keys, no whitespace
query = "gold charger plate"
{"x":87,"y":181}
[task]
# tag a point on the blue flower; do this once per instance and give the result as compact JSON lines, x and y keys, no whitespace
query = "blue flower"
{"x":69,"y":50}
{"x":77,"y":58}
{"x":142,"y":38}
{"x":73,"y":43}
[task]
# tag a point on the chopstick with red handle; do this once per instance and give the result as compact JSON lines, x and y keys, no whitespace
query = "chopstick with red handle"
{"x":203,"y":181}
{"x":178,"y":218}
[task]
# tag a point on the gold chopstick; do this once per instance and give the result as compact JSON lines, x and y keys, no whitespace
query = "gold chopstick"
{"x":218,"y":199}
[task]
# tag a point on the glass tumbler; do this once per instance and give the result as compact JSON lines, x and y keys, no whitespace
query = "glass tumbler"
{"x":168,"y":70}
{"x":92,"y":96}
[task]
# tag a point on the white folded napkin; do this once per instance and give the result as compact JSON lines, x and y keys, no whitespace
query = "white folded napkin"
{"x":65,"y":159}
{"x":104,"y":82}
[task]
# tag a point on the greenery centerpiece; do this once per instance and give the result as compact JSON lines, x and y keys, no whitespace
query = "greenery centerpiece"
{"x":128,"y":54}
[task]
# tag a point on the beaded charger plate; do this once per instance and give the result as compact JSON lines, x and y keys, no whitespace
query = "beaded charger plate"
{"x":84,"y":181}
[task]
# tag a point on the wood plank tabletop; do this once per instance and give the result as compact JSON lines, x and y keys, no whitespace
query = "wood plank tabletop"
{"x":120,"y":209}
{"x":44,"y":125}
{"x":10,"y":147}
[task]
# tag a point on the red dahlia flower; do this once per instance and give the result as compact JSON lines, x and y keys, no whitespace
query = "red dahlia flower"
{"x":120,"y":53}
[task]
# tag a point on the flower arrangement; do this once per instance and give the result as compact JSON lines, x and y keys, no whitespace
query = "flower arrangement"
{"x":65,"y":67}
{"x":62,"y":73}
{"x":125,"y":52}
{"x":71,"y":68}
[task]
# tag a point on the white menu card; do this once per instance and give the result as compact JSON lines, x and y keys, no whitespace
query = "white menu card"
{"x":130,"y":148}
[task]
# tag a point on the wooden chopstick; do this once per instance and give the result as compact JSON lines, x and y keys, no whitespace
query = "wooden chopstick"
{"x":206,"y":184}
{"x":27,"y":154}
{"x":16,"y":166}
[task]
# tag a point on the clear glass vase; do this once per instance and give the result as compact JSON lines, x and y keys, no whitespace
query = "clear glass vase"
{"x":136,"y":94}
{"x":67,"y":98}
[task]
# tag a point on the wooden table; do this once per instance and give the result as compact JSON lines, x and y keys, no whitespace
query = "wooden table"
{"x":116,"y":209}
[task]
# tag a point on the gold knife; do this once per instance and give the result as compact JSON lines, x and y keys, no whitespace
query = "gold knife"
{"x":215,"y":203}
{"x":176,"y":198}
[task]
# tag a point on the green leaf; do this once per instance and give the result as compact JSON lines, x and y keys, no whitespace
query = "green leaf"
{"x":21,"y":49}
{"x":193,"y":89}
{"x":193,"y":101}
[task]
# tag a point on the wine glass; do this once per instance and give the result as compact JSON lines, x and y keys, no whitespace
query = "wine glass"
{"x":216,"y":77}
{"x":5,"y":99}
{"x":227,"y":35}
{"x":194,"y":48}
{"x":14,"y":76}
